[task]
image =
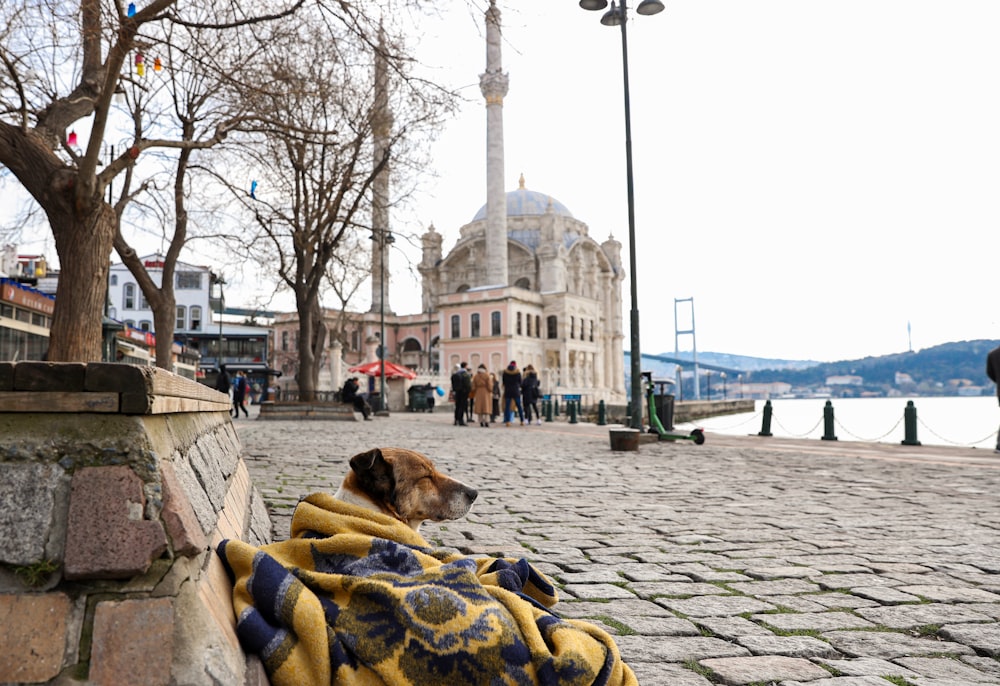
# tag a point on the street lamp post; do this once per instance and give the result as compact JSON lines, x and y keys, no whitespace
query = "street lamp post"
{"x":220,"y":282}
{"x":617,"y":16}
{"x":725,"y":395}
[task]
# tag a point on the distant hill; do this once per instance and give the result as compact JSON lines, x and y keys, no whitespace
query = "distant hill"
{"x":936,"y":370}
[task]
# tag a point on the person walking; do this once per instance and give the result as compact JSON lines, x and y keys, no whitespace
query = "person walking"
{"x":482,"y":395}
{"x":495,"y":409}
{"x":240,"y":389}
{"x":993,"y":371}
{"x":461,"y":385}
{"x":530,"y":393}
{"x":512,"y":394}
{"x":223,"y":384}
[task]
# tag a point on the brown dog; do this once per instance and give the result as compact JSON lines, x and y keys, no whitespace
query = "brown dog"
{"x":404,"y":484}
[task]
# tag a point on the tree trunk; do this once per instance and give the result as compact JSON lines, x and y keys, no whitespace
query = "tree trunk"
{"x":305,"y":377}
{"x":164,"y":318}
{"x":83,"y":244}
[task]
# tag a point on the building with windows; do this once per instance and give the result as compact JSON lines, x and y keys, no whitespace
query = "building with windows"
{"x":199,"y":325}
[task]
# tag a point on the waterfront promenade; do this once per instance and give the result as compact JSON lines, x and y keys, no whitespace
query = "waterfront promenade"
{"x":745,"y":560}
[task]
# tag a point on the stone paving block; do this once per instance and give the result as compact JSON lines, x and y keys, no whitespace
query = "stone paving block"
{"x":986,"y":665}
{"x":909,"y":616}
{"x":133,"y":637}
{"x":885,"y":595}
{"x":33,"y":636}
{"x":651,"y":673}
{"x":867,"y":666}
{"x":731,"y":628}
{"x":595,"y":591}
{"x":714,"y":606}
{"x":785,"y":572}
{"x":835,"y":582}
{"x":634,"y":607}
{"x":984,"y":638}
{"x":106,"y":535}
{"x":677,"y":649}
{"x":796,"y":603}
{"x":951,"y":594}
{"x":593,"y":576}
{"x":28,"y":510}
{"x":775,"y":587}
{"x":649,"y":589}
{"x":789,"y":646}
{"x":763,"y":669}
{"x":847,"y":681}
{"x":946,"y":668}
{"x":889,"y":645}
{"x":647,"y":572}
{"x":656,"y":626}
{"x":812,"y":621}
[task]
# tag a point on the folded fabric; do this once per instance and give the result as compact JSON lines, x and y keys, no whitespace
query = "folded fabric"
{"x":357,"y":597}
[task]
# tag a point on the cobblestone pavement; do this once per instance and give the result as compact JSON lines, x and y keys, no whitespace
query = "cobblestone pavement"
{"x":741,"y":561}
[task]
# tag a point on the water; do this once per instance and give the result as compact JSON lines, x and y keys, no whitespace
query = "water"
{"x":952,"y":421}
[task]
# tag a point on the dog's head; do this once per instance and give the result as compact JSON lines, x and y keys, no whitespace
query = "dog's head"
{"x":405,"y":485}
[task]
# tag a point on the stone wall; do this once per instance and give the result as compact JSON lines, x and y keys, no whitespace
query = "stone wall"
{"x":116,"y":482}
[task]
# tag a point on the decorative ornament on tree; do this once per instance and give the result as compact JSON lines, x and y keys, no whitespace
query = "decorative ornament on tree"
{"x":253,"y":189}
{"x":71,"y":138}
{"x":140,"y":64}
{"x":131,"y":9}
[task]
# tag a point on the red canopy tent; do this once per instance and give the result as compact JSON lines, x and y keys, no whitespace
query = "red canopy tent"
{"x":392,"y":370}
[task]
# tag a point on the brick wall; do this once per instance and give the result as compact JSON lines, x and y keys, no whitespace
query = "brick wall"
{"x":116,"y":482}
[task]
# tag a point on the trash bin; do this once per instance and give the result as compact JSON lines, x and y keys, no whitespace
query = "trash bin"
{"x":418,"y":398}
{"x":665,"y":410}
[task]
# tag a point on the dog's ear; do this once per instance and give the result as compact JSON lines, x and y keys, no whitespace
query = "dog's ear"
{"x":374,"y":475}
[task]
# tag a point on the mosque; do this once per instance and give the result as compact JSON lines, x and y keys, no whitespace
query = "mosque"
{"x":525,"y":282}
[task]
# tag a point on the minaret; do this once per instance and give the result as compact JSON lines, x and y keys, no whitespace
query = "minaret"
{"x":381,"y":129}
{"x":493,"y":85}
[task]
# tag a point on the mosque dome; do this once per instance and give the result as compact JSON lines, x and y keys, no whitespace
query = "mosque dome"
{"x":524,"y":203}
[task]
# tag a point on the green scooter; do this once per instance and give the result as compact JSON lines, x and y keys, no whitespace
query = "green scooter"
{"x":696,"y":435}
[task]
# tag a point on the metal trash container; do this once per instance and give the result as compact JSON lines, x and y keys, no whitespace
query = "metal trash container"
{"x":665,"y":410}
{"x":418,"y":398}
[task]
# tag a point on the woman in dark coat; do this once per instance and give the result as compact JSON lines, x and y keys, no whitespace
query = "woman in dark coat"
{"x":530,"y":394}
{"x":512,"y":394}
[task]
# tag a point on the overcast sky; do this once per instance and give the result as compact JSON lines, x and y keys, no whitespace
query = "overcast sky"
{"x":814,"y":174}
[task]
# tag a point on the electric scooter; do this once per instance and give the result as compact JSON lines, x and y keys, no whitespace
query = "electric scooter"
{"x":696,"y":435}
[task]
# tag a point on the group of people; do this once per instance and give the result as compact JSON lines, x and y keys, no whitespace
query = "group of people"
{"x":514,"y":392}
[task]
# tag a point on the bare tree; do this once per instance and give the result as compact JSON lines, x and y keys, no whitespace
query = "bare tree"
{"x":62,"y":63}
{"x":316,"y":164}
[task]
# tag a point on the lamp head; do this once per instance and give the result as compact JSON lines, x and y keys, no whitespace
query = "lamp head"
{"x":649,"y":7}
{"x":593,"y":4}
{"x":613,"y":17}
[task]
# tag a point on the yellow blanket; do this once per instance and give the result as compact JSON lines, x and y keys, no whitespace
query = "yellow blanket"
{"x":356,"y":597}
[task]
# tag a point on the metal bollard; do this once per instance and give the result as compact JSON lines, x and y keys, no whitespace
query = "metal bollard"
{"x":828,"y":434}
{"x":910,"y":424}
{"x":555,"y":402}
{"x":571,"y":409}
{"x":548,"y":410}
{"x":602,"y":414}
{"x":765,"y":426}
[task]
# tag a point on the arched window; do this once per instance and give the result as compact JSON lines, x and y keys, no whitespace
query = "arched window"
{"x":284,"y":341}
{"x":196,"y":318}
{"x":474,"y":325}
{"x":411,"y":345}
{"x":456,"y":326}
{"x":495,"y":324}
{"x":552,"y":326}
{"x":518,"y":325}
{"x":114,"y":279}
{"x":572,"y":327}
{"x":128,"y":296}
{"x":527,"y":321}
{"x":524,"y":283}
{"x":463,"y":288}
{"x":538,"y":326}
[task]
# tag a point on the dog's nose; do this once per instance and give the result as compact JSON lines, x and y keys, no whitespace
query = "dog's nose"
{"x":471,"y":494}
